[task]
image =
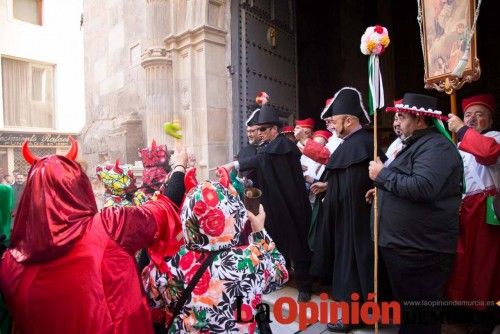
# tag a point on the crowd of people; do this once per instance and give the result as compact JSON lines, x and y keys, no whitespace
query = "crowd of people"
{"x":205,"y":262}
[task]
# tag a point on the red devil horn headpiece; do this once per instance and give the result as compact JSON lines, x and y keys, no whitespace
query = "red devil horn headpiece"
{"x":32,"y":159}
{"x":28,"y":156}
{"x":73,"y":151}
{"x":117,"y":168}
{"x":153,"y":145}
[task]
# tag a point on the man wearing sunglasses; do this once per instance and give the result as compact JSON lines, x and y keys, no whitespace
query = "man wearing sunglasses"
{"x":254,"y":143}
{"x":284,"y":195}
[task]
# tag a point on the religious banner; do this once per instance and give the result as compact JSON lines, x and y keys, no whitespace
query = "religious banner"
{"x":448,"y":39}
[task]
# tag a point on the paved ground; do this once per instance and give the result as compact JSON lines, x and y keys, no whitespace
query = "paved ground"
{"x":317,"y":328}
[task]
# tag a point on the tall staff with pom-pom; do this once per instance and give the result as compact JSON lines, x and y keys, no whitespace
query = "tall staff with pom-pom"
{"x":373,"y":43}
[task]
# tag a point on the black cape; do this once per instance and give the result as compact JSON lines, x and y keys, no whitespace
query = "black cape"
{"x":344,"y":248}
{"x":284,"y":196}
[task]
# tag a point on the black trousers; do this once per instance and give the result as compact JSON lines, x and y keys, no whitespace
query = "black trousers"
{"x":302,"y":278}
{"x":417,"y":280}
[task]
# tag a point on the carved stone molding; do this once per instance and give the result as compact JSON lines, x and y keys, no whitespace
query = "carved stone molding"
{"x":155,"y":52}
{"x":201,"y":34}
{"x":156,"y":56}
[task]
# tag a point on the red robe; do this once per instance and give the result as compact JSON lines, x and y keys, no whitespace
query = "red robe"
{"x":476,"y":272}
{"x":70,"y":268}
{"x":94,"y":288}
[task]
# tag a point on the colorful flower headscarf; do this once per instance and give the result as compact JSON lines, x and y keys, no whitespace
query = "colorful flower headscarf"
{"x":119,"y":181}
{"x":212,"y":217}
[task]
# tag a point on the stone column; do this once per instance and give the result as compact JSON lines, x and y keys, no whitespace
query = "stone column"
{"x":200,"y":80}
{"x":157,"y":63}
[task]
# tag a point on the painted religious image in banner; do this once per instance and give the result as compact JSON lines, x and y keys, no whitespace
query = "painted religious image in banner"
{"x":447,"y":26}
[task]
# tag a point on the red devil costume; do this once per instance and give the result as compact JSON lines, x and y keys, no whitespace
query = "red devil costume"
{"x":70,"y":268}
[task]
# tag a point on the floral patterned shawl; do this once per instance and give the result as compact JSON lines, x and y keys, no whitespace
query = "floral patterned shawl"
{"x":212,"y":219}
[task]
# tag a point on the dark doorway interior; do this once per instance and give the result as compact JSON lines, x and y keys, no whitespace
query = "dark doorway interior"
{"x":328,"y":37}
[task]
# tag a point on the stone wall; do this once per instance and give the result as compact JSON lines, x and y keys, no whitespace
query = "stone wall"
{"x":194,"y":81}
{"x":114,"y":81}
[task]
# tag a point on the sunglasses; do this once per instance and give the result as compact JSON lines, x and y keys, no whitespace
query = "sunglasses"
{"x":264,"y":128}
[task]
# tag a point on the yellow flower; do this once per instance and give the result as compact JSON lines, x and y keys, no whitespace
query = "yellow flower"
{"x":385,"y":41}
{"x":370,"y":45}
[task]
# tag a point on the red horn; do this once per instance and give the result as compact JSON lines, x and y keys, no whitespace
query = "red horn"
{"x":73,"y":151}
{"x":28,"y":156}
{"x":153,"y":145}
{"x":117,"y":168}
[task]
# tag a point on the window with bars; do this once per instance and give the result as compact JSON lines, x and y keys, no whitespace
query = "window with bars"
{"x":28,"y":10}
{"x":21,"y":165}
{"x":28,"y":93}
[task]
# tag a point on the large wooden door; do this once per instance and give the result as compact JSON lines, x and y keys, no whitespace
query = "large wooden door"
{"x":264,"y":49}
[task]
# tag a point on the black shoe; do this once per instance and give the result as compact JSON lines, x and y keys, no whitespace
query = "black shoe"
{"x":338,"y":327}
{"x":304,"y":297}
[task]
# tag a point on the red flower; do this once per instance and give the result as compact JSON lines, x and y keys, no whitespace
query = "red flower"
{"x":378,"y":29}
{"x":187,"y":260}
{"x":210,"y":197}
{"x":266,"y":274}
{"x":199,"y":208}
{"x":202,"y":285}
{"x":213,"y":222}
{"x":256,"y":301}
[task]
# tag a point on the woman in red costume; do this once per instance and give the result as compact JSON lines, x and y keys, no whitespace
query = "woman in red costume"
{"x":70,"y":268}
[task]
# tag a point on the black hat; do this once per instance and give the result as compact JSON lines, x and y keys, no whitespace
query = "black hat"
{"x":418,"y":104}
{"x":252,"y":119}
{"x":347,"y":101}
{"x":268,"y":115}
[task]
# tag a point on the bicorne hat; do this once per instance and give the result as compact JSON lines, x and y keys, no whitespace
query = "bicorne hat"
{"x":252,"y":119}
{"x":347,"y":101}
{"x":268,"y":115}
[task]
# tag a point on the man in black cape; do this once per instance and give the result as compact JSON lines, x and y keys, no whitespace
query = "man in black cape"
{"x":343,"y":237}
{"x":284,"y":196}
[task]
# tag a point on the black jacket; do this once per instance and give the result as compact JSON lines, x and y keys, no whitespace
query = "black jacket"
{"x":284,"y":196}
{"x":343,"y":247}
{"x":420,"y":193}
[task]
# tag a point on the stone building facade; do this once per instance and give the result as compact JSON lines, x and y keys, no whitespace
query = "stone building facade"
{"x":155,"y":61}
